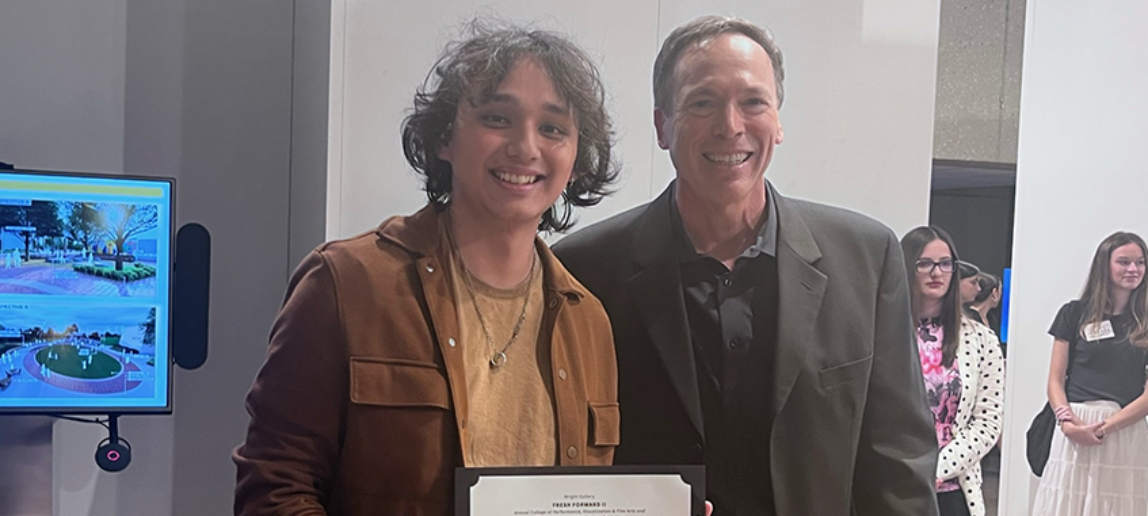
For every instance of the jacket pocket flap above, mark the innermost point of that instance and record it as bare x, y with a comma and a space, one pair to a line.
842, 373
398, 383
605, 422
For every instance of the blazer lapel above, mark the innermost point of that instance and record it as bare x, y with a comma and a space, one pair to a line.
801, 288
656, 291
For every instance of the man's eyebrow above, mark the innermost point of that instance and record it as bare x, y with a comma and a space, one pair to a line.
501, 98
557, 109
751, 90
699, 90
550, 107
757, 91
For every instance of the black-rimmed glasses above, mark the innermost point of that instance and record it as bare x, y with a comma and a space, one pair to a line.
926, 266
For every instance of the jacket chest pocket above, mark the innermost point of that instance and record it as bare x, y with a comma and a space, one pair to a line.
605, 424
400, 436
398, 383
605, 433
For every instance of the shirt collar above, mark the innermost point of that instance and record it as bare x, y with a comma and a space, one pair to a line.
765, 243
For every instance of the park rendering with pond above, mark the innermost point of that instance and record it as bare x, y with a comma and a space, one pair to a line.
77, 352
78, 248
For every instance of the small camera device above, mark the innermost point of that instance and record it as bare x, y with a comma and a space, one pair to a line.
113, 456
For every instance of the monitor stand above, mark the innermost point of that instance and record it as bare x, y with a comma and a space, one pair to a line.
26, 465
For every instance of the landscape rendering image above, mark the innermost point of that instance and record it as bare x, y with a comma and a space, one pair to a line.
65, 352
78, 248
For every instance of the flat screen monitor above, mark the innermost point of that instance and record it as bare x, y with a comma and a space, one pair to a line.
85, 293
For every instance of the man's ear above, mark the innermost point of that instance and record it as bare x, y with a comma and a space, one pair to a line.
444, 151
660, 119
780, 134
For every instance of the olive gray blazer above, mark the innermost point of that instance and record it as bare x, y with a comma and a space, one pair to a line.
851, 430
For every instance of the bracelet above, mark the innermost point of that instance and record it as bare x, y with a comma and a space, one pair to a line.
1102, 432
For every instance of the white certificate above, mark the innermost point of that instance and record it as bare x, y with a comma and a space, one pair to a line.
580, 491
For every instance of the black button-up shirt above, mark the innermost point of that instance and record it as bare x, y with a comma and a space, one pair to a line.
732, 316
719, 302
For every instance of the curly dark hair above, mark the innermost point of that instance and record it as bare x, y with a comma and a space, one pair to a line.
472, 68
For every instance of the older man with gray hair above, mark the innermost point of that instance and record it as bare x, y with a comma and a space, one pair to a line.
765, 337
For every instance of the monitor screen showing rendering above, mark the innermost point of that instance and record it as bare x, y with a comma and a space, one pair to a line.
85, 290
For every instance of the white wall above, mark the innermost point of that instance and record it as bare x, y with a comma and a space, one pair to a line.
62, 84
858, 113
230, 99
1080, 177
235, 177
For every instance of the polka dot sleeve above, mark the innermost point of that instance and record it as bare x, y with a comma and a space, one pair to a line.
977, 429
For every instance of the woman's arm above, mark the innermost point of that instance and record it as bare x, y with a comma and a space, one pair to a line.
973, 440
1132, 413
1073, 428
1056, 371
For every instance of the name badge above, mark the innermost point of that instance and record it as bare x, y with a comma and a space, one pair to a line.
1099, 331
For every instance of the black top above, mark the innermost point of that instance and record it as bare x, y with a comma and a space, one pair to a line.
733, 351
1106, 369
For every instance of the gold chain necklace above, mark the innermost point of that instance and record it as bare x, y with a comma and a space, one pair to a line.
497, 357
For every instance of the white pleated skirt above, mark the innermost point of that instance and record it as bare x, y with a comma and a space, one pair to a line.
1110, 479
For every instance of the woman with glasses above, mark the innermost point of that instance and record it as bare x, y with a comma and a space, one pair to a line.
1098, 463
962, 367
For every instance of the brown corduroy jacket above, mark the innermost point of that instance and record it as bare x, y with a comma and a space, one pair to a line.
361, 406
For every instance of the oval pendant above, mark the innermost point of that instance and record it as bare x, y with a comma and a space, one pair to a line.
498, 360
